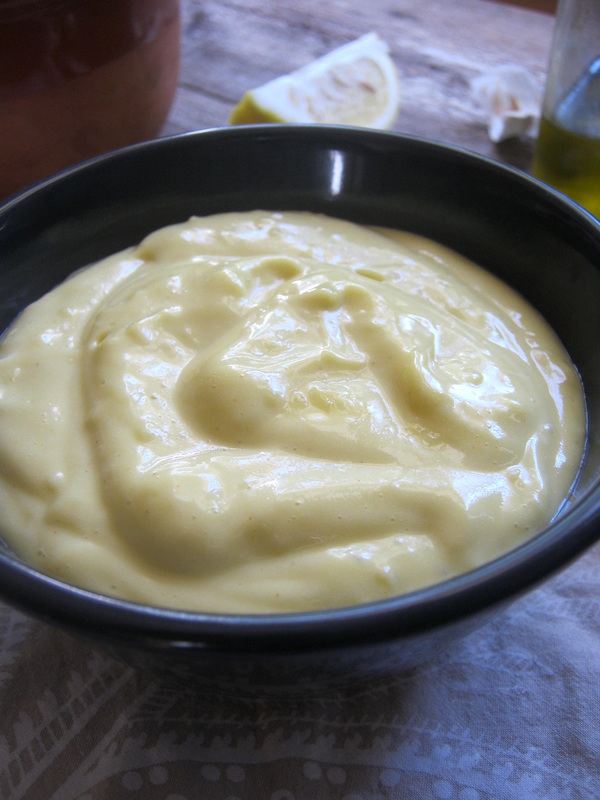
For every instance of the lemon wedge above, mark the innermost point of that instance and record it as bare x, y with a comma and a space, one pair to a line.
356, 84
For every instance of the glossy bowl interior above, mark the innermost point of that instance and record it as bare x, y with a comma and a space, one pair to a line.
535, 239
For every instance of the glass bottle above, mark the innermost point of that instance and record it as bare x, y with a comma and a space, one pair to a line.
567, 153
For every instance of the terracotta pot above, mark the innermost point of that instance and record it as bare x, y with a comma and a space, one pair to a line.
79, 78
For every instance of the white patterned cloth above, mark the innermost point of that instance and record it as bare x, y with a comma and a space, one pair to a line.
510, 713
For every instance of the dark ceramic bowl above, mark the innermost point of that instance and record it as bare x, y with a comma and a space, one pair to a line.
534, 238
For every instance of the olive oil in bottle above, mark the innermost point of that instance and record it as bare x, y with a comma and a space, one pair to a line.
567, 154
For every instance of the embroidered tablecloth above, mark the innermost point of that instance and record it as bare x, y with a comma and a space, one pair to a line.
512, 712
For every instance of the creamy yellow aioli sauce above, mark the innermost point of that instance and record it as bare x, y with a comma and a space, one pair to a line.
269, 412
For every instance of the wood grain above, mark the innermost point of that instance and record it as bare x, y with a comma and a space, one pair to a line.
439, 47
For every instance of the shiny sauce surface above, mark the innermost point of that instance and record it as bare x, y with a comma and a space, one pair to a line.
271, 412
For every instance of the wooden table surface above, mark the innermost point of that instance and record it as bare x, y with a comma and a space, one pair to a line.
439, 47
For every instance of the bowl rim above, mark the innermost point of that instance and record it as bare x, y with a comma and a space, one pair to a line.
491, 584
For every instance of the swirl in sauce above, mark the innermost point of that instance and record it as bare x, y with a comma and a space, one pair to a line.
267, 412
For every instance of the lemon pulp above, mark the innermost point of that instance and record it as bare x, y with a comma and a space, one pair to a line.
356, 84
